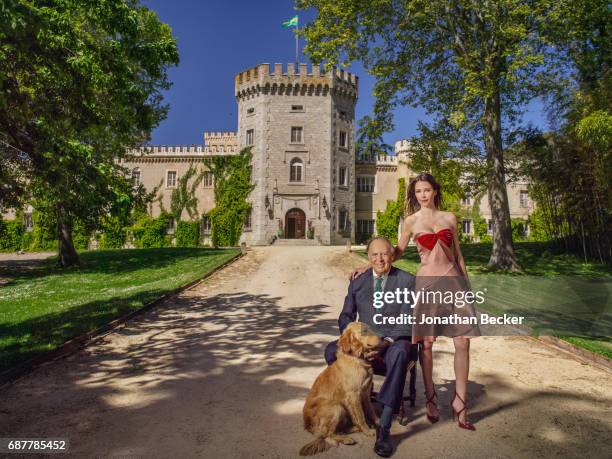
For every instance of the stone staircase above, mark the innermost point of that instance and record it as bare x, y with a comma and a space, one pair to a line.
288, 242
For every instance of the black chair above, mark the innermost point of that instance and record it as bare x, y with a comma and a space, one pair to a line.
379, 369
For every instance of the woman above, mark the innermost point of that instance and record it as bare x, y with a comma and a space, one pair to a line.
442, 269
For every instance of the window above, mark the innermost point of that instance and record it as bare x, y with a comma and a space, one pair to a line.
466, 200
297, 108
342, 176
343, 220
490, 227
28, 223
365, 184
365, 226
524, 198
206, 224
136, 176
208, 179
343, 139
250, 110
296, 134
250, 137
171, 228
247, 220
466, 226
171, 179
296, 170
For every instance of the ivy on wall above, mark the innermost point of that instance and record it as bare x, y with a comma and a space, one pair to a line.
183, 196
187, 234
232, 176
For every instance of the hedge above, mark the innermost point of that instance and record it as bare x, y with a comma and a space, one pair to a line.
187, 234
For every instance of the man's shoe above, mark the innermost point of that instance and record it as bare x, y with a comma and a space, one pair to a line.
383, 446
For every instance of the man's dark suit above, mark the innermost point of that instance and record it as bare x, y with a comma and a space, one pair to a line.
359, 302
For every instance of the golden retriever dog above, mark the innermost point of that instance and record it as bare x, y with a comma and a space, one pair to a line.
339, 400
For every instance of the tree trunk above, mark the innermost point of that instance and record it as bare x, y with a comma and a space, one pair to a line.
68, 255
502, 253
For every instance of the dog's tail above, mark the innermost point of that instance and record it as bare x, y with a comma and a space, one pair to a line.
318, 445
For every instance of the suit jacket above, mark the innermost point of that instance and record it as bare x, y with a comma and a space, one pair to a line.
359, 301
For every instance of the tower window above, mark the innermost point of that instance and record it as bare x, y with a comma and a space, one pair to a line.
343, 220
296, 170
343, 139
342, 176
250, 110
247, 220
297, 108
296, 134
250, 137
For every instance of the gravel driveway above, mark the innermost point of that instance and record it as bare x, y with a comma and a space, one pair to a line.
222, 370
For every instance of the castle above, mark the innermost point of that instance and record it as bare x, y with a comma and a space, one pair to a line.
300, 123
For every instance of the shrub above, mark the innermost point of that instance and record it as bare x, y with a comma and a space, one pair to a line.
387, 221
151, 232
187, 234
11, 232
80, 235
518, 229
113, 233
44, 234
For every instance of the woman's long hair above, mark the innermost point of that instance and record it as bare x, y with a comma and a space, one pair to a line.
412, 204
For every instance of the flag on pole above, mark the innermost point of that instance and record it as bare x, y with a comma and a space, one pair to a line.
293, 22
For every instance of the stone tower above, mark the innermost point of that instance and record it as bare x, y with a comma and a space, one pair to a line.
301, 127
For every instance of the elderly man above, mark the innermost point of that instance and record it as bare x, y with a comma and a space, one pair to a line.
397, 350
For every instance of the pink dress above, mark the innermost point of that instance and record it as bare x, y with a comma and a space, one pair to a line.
442, 309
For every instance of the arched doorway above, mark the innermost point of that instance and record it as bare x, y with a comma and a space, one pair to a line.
295, 224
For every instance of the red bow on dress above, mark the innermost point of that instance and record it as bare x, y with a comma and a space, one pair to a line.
428, 240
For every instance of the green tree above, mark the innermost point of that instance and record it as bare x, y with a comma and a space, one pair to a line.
387, 221
365, 144
469, 62
81, 82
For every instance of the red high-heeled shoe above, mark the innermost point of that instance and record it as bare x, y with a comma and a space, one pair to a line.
464, 425
432, 419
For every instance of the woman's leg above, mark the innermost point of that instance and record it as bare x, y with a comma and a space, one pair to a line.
462, 369
427, 368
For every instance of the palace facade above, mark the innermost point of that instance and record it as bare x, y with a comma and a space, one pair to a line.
300, 123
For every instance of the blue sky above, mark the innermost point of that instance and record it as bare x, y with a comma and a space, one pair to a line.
217, 39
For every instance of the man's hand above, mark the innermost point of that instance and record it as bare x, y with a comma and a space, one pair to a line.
358, 272
378, 352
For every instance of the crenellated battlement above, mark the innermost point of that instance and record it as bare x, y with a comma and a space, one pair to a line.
379, 160
402, 146
282, 78
215, 143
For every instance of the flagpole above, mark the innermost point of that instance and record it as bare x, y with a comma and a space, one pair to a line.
297, 28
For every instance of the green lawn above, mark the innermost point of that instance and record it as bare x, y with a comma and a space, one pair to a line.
46, 306
558, 294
